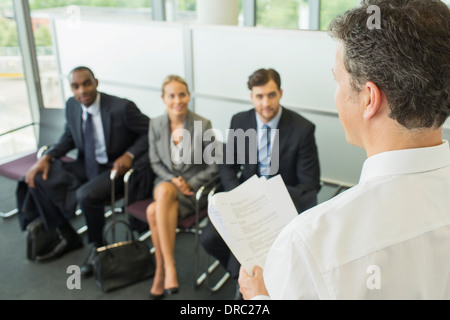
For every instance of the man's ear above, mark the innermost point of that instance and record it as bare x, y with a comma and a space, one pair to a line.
372, 100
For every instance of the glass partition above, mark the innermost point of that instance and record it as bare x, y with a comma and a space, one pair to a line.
72, 11
330, 9
16, 131
286, 14
297, 14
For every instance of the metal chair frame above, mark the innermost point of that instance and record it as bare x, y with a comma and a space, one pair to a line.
195, 229
39, 155
110, 213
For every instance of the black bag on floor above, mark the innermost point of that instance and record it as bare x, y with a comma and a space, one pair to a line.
39, 240
124, 263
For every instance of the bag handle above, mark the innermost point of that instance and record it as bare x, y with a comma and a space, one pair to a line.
111, 224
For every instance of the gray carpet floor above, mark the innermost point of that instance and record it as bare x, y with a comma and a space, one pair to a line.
21, 279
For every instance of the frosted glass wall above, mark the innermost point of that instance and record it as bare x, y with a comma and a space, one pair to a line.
132, 59
225, 57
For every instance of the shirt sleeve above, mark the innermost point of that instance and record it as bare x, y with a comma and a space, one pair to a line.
290, 268
261, 297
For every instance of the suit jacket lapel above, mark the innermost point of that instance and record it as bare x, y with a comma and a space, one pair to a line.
78, 121
164, 129
189, 127
285, 128
106, 120
252, 125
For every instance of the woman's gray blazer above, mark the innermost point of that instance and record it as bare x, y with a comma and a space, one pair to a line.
194, 169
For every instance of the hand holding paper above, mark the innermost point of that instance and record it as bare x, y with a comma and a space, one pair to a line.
250, 217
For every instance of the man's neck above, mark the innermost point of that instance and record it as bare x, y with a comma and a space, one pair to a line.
401, 139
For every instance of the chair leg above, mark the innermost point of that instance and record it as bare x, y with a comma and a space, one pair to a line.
82, 230
204, 277
9, 214
220, 283
145, 235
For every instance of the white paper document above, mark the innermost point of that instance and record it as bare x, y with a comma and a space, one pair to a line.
250, 217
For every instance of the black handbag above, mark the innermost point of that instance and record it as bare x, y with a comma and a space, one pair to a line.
124, 263
39, 240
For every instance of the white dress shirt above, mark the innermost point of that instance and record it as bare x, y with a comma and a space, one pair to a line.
386, 238
273, 124
99, 135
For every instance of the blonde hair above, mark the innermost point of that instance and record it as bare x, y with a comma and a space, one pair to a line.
176, 78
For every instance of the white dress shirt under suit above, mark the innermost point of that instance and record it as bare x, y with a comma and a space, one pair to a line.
99, 135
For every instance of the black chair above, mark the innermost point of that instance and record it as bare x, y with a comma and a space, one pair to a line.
111, 202
191, 224
134, 191
16, 169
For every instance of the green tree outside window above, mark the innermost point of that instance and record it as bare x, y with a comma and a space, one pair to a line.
330, 9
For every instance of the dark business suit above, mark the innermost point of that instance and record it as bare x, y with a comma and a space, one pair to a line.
298, 166
125, 129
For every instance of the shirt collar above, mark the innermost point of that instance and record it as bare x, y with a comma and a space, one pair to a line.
273, 124
407, 161
94, 109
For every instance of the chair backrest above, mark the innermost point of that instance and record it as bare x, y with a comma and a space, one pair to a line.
51, 125
140, 183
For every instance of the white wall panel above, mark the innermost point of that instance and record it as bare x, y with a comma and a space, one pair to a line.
446, 135
339, 161
148, 101
136, 54
447, 124
224, 58
219, 112
131, 61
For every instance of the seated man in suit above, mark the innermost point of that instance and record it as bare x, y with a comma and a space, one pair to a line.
292, 154
109, 133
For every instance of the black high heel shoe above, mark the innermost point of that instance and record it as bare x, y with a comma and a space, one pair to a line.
156, 296
172, 291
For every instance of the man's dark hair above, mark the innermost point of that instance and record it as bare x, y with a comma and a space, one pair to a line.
82, 68
408, 58
262, 77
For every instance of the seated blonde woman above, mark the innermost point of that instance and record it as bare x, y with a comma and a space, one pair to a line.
177, 177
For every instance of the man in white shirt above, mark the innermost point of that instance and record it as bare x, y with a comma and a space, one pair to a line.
389, 236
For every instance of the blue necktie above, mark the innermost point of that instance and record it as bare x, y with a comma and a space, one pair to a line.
264, 152
89, 148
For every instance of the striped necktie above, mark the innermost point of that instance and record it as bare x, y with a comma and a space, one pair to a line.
264, 152
90, 161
